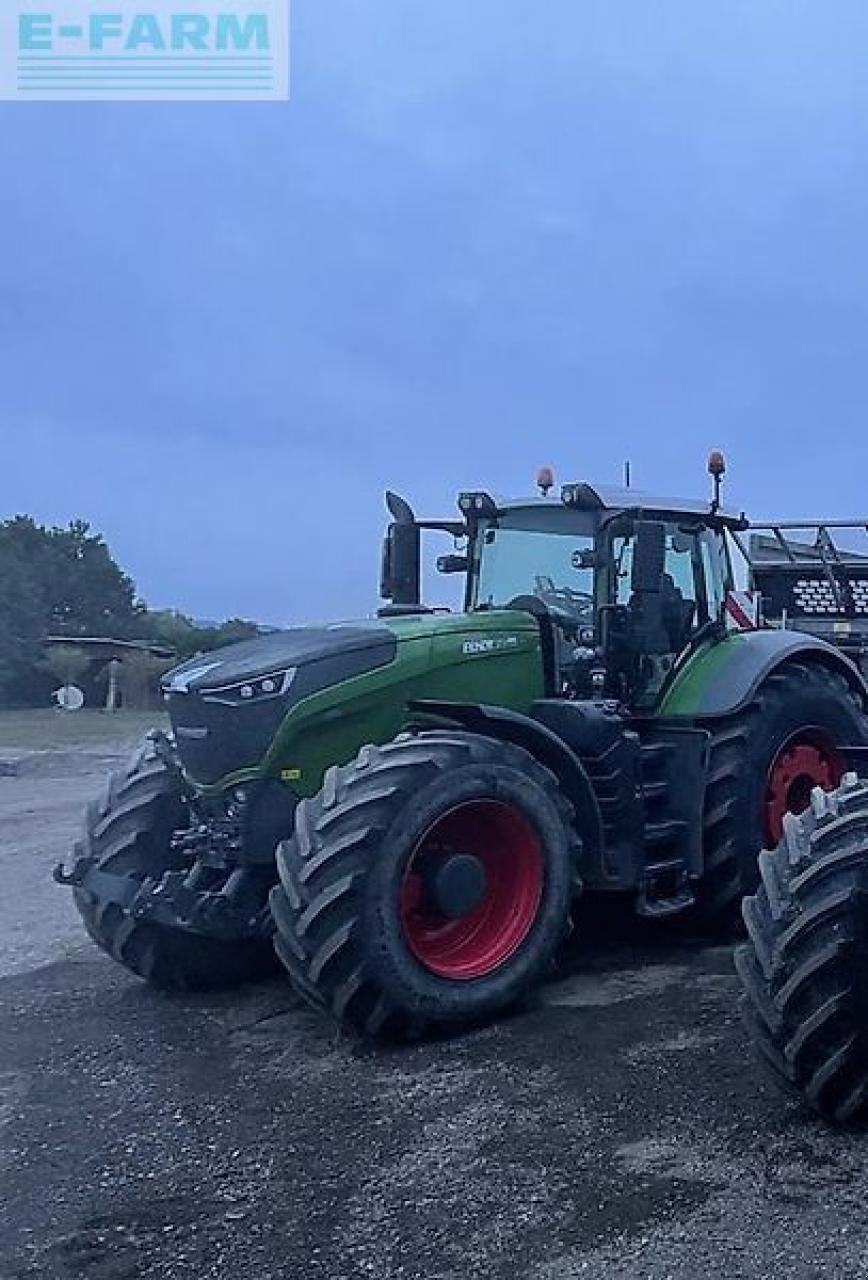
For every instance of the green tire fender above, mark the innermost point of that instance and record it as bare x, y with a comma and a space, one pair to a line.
722, 677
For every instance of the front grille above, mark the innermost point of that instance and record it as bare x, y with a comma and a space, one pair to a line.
214, 739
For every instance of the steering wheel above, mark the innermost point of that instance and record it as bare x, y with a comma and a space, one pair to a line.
576, 605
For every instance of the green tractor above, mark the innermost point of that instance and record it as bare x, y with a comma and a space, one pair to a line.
405, 809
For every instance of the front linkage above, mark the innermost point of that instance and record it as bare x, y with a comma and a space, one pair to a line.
193, 883
175, 899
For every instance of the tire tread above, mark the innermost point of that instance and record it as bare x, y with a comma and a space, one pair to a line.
802, 968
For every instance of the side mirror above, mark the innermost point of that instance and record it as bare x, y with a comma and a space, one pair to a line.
649, 557
452, 564
400, 570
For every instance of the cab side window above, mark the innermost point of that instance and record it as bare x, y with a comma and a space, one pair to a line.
622, 558
715, 568
680, 593
680, 570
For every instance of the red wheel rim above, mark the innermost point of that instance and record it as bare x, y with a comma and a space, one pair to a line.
478, 943
807, 760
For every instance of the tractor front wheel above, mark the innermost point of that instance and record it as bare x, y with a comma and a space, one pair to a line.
427, 885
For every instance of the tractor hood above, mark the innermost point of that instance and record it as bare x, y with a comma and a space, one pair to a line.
281, 651
226, 706
241, 708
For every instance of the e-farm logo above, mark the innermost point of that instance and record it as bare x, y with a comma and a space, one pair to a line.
157, 49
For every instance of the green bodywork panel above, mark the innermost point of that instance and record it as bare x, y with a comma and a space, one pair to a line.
493, 657
688, 692
724, 674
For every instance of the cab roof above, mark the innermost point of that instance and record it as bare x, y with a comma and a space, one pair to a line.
606, 497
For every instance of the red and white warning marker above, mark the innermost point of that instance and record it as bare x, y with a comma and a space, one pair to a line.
742, 610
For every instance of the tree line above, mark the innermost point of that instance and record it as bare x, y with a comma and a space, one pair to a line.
65, 582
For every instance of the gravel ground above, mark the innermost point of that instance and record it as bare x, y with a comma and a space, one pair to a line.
617, 1127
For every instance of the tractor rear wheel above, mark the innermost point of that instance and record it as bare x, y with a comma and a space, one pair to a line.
764, 763
805, 966
126, 842
427, 885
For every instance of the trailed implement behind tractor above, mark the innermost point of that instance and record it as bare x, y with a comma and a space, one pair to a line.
406, 808
813, 577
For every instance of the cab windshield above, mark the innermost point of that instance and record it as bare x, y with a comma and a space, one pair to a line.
554, 567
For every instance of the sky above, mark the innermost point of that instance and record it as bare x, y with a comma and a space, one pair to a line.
482, 235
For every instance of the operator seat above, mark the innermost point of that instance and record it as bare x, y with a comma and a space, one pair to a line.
663, 617
677, 613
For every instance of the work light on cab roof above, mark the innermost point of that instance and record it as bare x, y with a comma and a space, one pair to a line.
477, 505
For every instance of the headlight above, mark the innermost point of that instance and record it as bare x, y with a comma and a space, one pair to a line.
260, 689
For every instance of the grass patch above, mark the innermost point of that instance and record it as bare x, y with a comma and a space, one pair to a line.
52, 730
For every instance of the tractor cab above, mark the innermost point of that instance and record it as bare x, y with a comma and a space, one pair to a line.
622, 583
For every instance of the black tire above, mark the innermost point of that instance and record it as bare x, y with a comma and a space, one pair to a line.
127, 832
799, 698
804, 968
337, 908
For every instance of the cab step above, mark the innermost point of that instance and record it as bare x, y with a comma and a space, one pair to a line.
665, 890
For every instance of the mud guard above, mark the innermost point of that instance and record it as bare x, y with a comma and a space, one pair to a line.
723, 677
